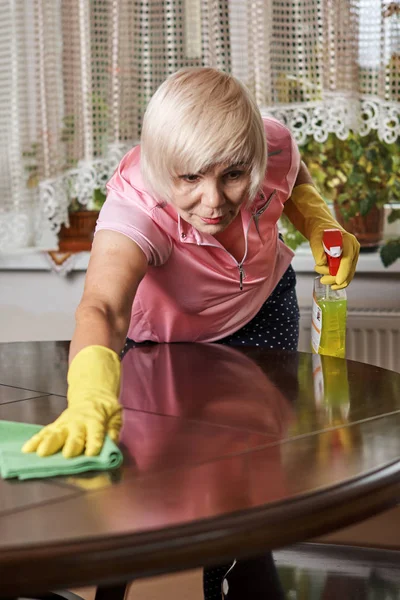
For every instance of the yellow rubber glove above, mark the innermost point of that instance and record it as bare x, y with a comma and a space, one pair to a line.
93, 408
311, 216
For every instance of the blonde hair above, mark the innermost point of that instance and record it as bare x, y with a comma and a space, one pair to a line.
200, 117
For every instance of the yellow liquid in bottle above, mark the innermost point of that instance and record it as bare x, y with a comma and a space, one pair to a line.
333, 332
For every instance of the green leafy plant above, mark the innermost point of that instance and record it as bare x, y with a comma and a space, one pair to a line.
291, 236
97, 202
357, 173
30, 165
390, 251
100, 112
30, 158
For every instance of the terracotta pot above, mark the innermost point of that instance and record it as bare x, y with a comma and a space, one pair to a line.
79, 235
368, 229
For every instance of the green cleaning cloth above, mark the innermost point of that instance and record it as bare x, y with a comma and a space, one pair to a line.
13, 463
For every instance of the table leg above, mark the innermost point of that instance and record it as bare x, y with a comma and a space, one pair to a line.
111, 592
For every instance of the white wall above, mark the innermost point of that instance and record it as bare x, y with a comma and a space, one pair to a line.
38, 304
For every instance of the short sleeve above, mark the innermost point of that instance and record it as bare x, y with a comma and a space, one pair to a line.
122, 212
294, 167
283, 157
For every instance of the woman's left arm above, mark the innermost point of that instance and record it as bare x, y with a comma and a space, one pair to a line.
303, 176
309, 213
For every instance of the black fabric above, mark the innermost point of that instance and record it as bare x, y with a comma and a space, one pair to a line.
252, 579
276, 325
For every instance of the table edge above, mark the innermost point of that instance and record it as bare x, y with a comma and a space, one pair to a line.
108, 560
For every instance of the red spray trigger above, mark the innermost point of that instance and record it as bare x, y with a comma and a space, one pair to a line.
332, 241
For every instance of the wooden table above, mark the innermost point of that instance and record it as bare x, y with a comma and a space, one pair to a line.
228, 452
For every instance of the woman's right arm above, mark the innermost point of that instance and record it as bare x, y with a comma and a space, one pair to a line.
116, 267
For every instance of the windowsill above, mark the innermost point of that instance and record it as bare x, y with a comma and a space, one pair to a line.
34, 260
368, 262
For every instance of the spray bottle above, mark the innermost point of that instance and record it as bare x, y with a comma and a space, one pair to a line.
329, 311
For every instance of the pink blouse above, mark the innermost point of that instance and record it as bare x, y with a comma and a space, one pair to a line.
194, 289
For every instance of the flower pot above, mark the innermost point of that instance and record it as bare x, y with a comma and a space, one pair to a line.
79, 235
368, 229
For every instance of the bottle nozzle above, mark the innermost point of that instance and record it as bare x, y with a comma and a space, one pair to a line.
332, 241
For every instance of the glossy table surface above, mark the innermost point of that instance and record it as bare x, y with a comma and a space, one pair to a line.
227, 452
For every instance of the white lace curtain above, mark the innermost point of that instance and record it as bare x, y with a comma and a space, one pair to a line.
76, 76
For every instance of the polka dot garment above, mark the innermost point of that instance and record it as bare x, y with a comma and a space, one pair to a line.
276, 325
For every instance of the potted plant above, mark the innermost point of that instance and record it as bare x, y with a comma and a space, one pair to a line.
82, 222
390, 251
359, 175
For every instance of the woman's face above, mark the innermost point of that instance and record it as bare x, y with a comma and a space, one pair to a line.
210, 200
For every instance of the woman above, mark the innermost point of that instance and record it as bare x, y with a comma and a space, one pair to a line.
187, 249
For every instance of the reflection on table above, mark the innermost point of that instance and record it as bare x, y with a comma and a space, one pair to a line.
228, 452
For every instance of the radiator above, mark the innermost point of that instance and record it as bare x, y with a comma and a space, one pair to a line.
373, 337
